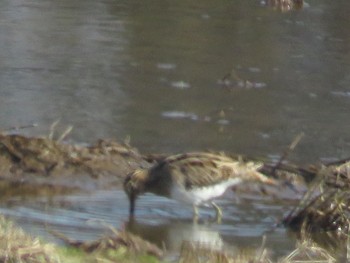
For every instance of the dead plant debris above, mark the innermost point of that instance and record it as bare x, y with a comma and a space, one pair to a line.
308, 252
17, 246
116, 240
44, 161
328, 210
194, 252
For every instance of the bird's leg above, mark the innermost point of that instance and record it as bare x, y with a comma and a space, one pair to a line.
195, 213
218, 212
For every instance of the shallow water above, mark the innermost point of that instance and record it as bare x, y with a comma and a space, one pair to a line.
155, 72
162, 221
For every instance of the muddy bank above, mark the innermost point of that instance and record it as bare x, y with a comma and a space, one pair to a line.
30, 162
42, 161
26, 163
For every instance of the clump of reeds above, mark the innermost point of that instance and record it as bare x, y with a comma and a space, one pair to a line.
308, 252
284, 5
326, 205
327, 211
16, 246
195, 252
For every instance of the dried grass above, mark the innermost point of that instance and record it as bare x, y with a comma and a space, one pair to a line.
326, 205
114, 241
194, 252
323, 215
308, 252
17, 246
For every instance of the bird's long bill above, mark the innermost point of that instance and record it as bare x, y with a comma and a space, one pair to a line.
132, 200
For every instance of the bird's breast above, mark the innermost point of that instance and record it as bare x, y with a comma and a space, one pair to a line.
197, 195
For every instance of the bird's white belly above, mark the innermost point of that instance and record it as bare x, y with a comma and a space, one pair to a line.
196, 196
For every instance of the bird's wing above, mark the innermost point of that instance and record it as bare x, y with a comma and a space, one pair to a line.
204, 169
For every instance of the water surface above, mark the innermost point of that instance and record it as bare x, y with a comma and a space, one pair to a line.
155, 71
87, 216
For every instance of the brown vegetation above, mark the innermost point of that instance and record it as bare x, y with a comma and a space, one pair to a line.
40, 161
27, 163
114, 241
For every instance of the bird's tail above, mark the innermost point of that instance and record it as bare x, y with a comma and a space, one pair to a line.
253, 171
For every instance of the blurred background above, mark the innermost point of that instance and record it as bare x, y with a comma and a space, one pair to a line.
176, 76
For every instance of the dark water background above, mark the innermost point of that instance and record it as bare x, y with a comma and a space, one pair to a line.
153, 70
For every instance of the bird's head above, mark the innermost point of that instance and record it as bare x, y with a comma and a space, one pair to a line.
134, 185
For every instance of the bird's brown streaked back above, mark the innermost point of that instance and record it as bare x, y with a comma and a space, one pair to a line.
184, 176
200, 169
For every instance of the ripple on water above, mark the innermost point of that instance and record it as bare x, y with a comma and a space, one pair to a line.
180, 115
180, 84
166, 66
341, 93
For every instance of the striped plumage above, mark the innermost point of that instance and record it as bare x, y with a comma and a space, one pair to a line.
193, 178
